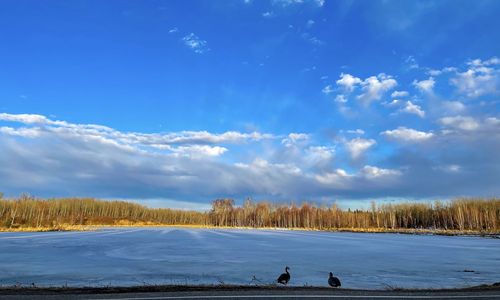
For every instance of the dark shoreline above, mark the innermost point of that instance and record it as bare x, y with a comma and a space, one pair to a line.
24, 290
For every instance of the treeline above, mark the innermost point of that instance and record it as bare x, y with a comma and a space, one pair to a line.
31, 212
462, 214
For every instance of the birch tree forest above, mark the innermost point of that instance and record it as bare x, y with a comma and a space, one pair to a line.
460, 214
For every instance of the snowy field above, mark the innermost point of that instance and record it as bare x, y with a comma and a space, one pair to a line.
137, 256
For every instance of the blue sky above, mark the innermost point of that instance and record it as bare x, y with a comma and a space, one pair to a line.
175, 103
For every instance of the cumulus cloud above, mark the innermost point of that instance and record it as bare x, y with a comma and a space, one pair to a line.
393, 103
412, 109
453, 106
25, 118
198, 150
294, 138
425, 85
403, 134
24, 132
49, 157
337, 178
399, 94
434, 72
327, 89
476, 81
340, 177
489, 62
460, 122
374, 172
319, 155
348, 82
196, 44
91, 131
374, 87
356, 147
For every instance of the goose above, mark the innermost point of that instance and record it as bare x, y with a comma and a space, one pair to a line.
285, 277
333, 281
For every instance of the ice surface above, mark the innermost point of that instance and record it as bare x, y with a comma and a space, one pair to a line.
136, 256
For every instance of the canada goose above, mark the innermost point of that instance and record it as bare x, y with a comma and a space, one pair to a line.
285, 277
333, 281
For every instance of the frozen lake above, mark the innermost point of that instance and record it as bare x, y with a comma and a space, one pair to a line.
136, 256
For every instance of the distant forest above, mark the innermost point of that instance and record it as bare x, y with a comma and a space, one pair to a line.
481, 215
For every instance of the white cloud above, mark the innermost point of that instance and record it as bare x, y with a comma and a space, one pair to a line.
309, 23
460, 122
357, 131
372, 172
449, 69
337, 178
173, 30
327, 89
319, 155
195, 43
340, 178
479, 63
197, 151
403, 134
374, 87
356, 147
24, 132
262, 166
433, 72
50, 157
294, 138
413, 109
453, 106
399, 94
425, 85
348, 82
476, 81
24, 118
131, 138
268, 14
393, 103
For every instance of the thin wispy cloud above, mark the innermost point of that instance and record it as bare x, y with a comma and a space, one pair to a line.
196, 44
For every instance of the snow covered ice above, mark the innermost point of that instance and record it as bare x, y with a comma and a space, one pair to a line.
138, 256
